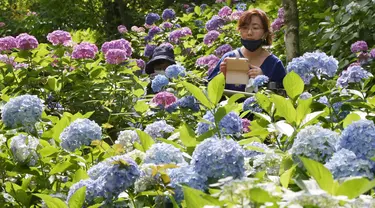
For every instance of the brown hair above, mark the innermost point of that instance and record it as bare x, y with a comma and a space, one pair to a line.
245, 19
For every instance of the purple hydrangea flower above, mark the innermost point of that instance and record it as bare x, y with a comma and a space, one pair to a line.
225, 12
223, 49
159, 82
149, 50
84, 50
190, 10
7, 59
277, 24
115, 56
359, 46
166, 44
203, 7
241, 6
122, 29
372, 53
153, 31
210, 61
118, 44
305, 96
59, 37
158, 129
215, 23
141, 64
354, 74
252, 105
175, 35
210, 37
7, 43
151, 18
168, 14
280, 13
166, 25
260, 80
236, 15
26, 42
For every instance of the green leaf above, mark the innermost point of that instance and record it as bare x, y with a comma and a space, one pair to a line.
293, 85
235, 97
286, 176
78, 198
303, 109
264, 102
197, 10
52, 83
60, 167
284, 107
198, 94
141, 106
146, 140
47, 151
311, 117
354, 187
187, 136
216, 88
350, 119
80, 174
321, 174
261, 196
196, 198
18, 193
52, 202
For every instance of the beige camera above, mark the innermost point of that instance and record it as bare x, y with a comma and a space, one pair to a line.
237, 71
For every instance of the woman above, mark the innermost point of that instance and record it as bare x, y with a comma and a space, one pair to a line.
254, 28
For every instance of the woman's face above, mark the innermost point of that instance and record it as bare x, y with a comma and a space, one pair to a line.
253, 30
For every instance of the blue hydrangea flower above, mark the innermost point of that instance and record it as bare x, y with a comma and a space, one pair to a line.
158, 129
203, 7
159, 82
188, 102
185, 176
229, 124
241, 6
168, 14
198, 23
78, 133
324, 100
313, 64
344, 163
163, 153
151, 18
260, 80
252, 105
316, 143
253, 153
24, 110
24, 149
127, 138
354, 74
218, 158
173, 71
93, 190
147, 180
359, 137
305, 96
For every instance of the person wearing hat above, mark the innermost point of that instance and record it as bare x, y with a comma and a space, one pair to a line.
162, 57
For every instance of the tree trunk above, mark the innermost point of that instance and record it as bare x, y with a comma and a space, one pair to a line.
291, 32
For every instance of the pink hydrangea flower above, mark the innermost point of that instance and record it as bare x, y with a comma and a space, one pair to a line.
118, 44
245, 125
2, 24
115, 56
84, 50
164, 99
225, 12
59, 37
372, 53
7, 43
122, 29
236, 15
25, 41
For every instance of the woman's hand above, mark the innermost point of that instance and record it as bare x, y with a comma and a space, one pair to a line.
223, 66
254, 71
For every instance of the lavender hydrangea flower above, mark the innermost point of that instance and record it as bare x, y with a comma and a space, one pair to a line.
80, 132
210, 37
159, 82
166, 44
203, 7
163, 153
151, 18
252, 105
316, 143
168, 14
313, 64
188, 102
185, 176
174, 71
118, 44
166, 25
127, 138
26, 42
354, 74
359, 46
253, 153
218, 158
93, 190
141, 64
344, 163
59, 37
260, 80
149, 50
225, 12
177, 34
24, 149
7, 43
158, 129
359, 137
215, 23
305, 96
236, 15
372, 53
84, 50
122, 29
210, 61
323, 100
229, 124
241, 6
7, 59
24, 110
153, 31
115, 56
223, 49
277, 24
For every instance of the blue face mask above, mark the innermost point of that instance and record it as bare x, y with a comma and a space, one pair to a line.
251, 45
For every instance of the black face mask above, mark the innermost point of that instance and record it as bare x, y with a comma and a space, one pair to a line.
251, 45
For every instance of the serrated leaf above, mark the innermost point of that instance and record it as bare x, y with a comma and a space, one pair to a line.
78, 198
